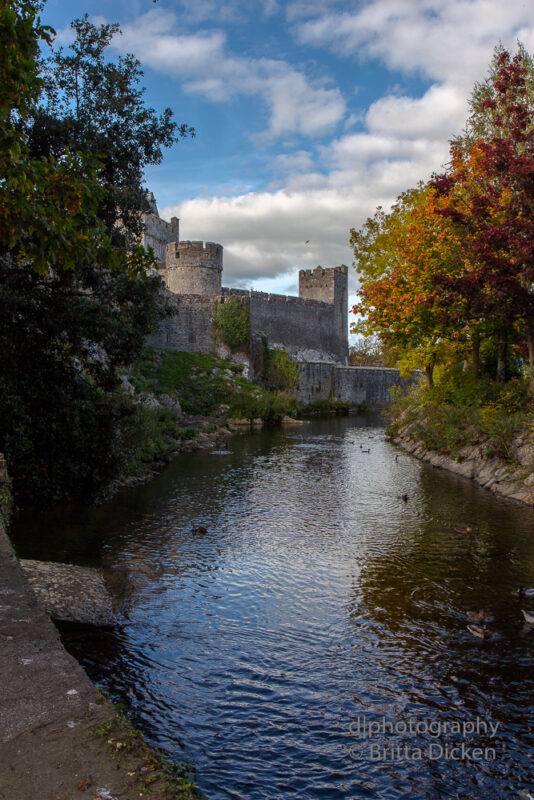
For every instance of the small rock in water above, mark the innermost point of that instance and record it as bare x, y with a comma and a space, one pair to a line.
70, 593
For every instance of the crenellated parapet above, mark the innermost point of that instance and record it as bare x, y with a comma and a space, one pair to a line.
325, 284
193, 267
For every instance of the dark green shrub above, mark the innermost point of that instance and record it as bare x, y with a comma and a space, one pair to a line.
232, 324
280, 371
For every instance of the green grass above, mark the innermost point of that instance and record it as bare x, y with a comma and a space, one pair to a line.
461, 412
204, 383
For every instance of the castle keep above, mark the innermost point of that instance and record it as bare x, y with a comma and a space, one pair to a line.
312, 328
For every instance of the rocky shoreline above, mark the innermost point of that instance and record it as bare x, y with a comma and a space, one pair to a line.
512, 478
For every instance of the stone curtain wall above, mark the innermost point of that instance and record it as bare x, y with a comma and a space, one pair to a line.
359, 385
294, 324
306, 329
190, 327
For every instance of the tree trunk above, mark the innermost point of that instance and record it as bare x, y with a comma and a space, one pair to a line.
530, 342
502, 350
475, 354
429, 374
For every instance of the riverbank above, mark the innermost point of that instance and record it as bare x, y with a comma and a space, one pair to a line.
59, 738
182, 402
482, 431
514, 481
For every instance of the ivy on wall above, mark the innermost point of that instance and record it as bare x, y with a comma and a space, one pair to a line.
280, 371
277, 370
232, 324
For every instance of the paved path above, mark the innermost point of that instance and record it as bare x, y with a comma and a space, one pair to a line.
49, 712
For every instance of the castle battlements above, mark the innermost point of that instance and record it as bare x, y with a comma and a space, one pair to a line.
319, 271
208, 253
269, 297
193, 267
313, 325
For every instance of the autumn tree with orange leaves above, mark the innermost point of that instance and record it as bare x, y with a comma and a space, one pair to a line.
397, 256
454, 259
488, 195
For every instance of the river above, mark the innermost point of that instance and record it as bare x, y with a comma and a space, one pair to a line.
313, 642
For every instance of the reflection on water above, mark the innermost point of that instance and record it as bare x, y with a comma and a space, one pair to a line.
317, 601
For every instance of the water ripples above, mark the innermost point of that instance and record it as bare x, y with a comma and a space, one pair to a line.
316, 598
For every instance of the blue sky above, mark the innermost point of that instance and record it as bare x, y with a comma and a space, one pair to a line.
308, 114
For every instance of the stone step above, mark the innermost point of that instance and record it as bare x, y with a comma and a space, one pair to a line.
70, 593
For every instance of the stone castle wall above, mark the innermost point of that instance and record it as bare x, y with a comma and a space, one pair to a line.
190, 327
159, 233
313, 326
369, 386
193, 268
305, 328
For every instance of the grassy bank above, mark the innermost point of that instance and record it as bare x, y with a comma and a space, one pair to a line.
207, 385
461, 412
184, 401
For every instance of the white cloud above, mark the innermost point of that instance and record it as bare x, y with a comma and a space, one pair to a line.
291, 163
438, 115
296, 104
444, 40
264, 233
320, 194
186, 54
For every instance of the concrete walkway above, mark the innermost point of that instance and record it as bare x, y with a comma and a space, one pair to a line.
50, 712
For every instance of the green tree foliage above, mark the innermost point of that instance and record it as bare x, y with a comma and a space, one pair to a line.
44, 203
92, 104
76, 301
280, 371
483, 122
232, 324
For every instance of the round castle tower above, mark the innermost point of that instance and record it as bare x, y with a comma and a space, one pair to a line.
193, 267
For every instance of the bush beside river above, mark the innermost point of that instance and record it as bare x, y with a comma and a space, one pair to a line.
477, 428
185, 401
